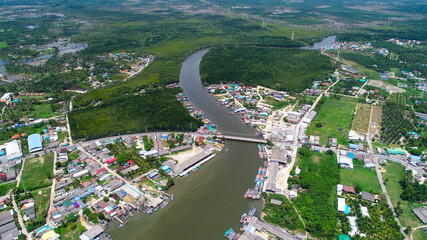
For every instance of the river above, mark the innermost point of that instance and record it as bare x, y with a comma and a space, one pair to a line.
209, 201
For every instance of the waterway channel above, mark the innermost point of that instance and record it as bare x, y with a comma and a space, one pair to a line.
209, 201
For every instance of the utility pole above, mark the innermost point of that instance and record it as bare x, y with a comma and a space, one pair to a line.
293, 31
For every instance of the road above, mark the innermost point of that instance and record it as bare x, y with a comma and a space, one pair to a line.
20, 221
52, 190
106, 167
390, 204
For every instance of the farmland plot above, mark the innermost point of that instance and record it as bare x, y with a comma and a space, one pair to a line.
361, 121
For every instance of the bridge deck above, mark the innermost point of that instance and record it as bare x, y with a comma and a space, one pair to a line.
244, 139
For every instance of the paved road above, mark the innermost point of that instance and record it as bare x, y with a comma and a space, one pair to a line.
106, 167
390, 204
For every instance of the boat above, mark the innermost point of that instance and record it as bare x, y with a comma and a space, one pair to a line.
247, 193
265, 163
228, 232
252, 211
164, 204
188, 173
237, 236
242, 219
251, 193
232, 235
172, 197
123, 224
242, 228
257, 177
196, 168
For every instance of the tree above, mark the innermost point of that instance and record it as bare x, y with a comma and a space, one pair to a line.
318, 124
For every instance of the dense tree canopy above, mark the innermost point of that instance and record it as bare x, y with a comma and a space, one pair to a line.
283, 69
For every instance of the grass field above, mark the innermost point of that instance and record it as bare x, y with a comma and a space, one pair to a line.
361, 120
3, 45
41, 199
419, 234
72, 231
42, 111
277, 104
38, 172
4, 188
342, 110
365, 177
394, 173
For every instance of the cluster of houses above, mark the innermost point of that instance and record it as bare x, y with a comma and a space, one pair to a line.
348, 45
8, 229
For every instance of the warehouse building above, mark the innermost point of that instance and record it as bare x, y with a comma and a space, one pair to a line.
13, 149
35, 143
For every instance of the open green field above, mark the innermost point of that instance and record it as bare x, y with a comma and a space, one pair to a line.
41, 199
284, 69
3, 45
366, 178
43, 110
38, 172
4, 188
419, 234
394, 173
342, 110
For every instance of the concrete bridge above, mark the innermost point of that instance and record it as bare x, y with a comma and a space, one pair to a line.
243, 139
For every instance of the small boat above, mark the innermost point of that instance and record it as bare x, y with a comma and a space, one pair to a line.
237, 236
172, 197
186, 175
251, 193
242, 219
265, 163
228, 232
123, 224
242, 228
252, 211
196, 168
164, 204
232, 235
247, 193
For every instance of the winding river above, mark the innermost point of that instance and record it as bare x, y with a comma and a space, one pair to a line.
209, 201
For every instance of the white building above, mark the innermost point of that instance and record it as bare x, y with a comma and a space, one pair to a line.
341, 205
13, 149
345, 161
6, 97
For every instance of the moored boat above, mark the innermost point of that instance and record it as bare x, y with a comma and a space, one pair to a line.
252, 211
196, 168
247, 193
228, 232
251, 193
242, 219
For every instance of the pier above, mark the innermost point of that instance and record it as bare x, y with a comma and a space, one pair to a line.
243, 139
191, 163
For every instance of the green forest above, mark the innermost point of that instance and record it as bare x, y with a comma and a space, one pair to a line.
284, 69
152, 111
